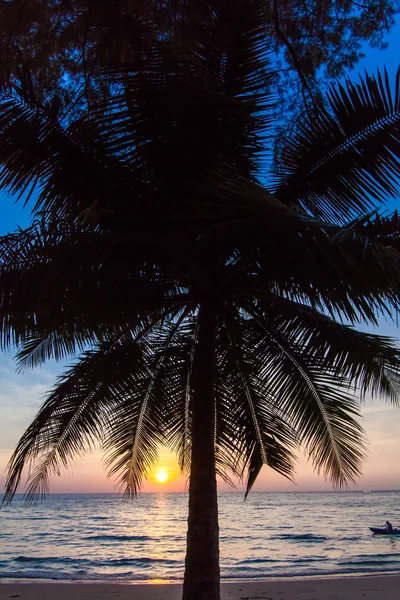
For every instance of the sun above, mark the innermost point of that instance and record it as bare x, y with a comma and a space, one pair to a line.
161, 476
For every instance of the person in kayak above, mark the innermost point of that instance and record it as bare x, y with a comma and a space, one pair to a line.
389, 527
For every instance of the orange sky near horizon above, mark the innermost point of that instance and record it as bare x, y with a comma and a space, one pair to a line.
21, 396
381, 469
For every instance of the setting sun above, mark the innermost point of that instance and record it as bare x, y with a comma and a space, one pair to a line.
161, 476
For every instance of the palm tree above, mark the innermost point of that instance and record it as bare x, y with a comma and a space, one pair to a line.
274, 364
208, 311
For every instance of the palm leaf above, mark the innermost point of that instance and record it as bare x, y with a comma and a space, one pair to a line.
176, 387
69, 168
384, 229
73, 415
365, 361
346, 163
137, 427
339, 271
261, 434
74, 271
311, 398
207, 81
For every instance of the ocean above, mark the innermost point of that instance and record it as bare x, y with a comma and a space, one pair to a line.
104, 537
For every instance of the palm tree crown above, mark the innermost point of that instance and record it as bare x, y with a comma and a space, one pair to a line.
209, 309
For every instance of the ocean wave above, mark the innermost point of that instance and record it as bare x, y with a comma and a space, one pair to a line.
301, 537
369, 558
141, 561
34, 518
258, 561
67, 560
120, 538
230, 538
372, 563
244, 573
48, 559
298, 561
83, 576
282, 571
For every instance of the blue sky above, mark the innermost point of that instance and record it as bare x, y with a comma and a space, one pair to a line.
21, 395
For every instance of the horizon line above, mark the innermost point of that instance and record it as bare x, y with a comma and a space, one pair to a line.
359, 491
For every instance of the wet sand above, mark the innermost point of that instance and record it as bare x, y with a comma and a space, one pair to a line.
376, 587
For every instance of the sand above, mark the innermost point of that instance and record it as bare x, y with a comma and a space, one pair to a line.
379, 587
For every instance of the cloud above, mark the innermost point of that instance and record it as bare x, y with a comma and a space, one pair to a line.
20, 399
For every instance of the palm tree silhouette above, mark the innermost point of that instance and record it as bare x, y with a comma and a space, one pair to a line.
208, 307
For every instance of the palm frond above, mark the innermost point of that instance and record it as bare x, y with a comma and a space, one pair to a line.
37, 349
176, 386
50, 281
230, 41
137, 427
195, 99
366, 362
73, 416
384, 229
346, 163
312, 399
340, 271
68, 168
261, 434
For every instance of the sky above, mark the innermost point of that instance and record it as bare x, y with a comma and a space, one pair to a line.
22, 394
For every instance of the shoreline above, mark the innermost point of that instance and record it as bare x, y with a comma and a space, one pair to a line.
149, 582
378, 586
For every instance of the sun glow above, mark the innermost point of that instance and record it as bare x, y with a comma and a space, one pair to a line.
161, 475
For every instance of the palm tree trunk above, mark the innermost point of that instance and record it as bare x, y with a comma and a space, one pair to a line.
202, 578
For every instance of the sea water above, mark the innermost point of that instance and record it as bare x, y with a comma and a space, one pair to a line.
103, 537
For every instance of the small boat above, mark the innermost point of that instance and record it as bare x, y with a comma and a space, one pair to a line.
383, 531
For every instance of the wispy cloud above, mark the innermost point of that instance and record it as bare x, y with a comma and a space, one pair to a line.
20, 397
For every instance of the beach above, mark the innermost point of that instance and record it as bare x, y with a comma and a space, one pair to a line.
372, 587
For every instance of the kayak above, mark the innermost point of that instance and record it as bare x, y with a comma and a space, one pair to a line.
383, 531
